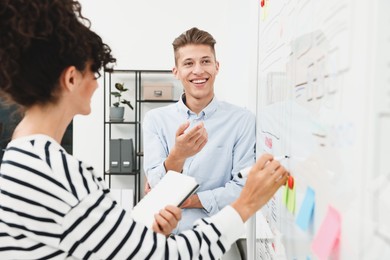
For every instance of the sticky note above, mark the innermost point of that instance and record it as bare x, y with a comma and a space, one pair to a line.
305, 215
288, 198
285, 195
328, 234
291, 199
290, 182
264, 10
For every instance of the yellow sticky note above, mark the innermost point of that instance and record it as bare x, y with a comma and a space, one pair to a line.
264, 10
285, 195
291, 199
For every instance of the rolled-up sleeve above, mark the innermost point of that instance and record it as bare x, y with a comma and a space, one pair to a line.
155, 152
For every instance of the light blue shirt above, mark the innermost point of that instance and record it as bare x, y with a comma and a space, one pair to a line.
229, 149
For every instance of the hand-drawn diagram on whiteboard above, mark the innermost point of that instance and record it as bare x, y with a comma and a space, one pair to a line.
317, 104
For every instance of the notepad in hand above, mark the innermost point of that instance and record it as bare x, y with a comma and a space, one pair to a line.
173, 189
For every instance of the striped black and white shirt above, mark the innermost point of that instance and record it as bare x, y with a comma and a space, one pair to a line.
53, 206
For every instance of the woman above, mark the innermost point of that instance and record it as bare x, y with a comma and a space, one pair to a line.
53, 205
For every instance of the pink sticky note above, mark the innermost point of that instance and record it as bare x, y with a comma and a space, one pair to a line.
328, 234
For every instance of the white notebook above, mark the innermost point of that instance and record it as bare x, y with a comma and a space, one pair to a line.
173, 189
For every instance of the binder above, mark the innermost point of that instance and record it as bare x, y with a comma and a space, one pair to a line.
115, 157
127, 155
121, 156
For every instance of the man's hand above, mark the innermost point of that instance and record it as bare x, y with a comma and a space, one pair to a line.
192, 202
191, 142
166, 220
147, 187
186, 145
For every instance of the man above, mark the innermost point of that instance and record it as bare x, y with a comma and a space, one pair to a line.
199, 135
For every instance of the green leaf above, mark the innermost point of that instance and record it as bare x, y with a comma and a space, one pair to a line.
119, 86
127, 103
116, 94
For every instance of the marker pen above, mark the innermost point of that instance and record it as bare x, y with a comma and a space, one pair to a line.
244, 172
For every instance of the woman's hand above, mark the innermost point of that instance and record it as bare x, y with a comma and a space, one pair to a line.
264, 179
166, 220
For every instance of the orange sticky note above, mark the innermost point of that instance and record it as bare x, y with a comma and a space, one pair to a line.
328, 235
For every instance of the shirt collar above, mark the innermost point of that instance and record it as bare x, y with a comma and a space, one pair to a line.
206, 112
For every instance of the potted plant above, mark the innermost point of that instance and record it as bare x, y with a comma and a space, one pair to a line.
117, 112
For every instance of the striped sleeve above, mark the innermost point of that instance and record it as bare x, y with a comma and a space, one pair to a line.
54, 207
209, 239
107, 232
33, 204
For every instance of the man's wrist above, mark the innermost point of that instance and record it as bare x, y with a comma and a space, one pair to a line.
196, 202
193, 202
173, 162
176, 157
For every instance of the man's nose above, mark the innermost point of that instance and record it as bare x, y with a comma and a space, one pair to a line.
198, 69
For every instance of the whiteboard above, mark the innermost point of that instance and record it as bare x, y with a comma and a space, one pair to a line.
324, 100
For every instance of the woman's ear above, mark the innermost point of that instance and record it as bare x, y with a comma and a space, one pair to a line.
68, 78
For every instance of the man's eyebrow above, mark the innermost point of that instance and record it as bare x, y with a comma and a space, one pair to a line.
186, 60
191, 59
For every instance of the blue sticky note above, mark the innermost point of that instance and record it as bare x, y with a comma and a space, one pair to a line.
305, 214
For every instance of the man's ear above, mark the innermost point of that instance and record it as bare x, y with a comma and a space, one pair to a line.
68, 79
217, 66
174, 71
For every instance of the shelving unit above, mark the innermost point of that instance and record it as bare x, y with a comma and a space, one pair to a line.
132, 125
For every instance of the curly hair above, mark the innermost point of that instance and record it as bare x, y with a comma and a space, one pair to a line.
193, 36
38, 40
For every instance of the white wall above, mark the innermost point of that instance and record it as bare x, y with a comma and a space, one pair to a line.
140, 34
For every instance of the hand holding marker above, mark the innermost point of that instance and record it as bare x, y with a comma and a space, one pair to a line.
244, 172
